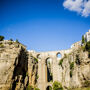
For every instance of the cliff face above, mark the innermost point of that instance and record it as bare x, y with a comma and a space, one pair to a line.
13, 65
75, 69
19, 68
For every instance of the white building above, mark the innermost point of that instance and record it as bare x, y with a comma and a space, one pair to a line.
79, 43
87, 36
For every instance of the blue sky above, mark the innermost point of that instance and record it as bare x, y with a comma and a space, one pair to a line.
42, 25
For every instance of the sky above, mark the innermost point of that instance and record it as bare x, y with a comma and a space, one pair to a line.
44, 25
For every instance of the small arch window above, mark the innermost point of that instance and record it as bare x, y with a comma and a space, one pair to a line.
58, 55
39, 56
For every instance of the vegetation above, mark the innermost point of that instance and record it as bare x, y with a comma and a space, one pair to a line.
17, 41
83, 39
77, 59
11, 39
57, 86
87, 48
49, 88
26, 73
1, 45
36, 89
61, 61
83, 48
37, 76
84, 88
1, 38
72, 66
36, 60
29, 87
10, 42
87, 83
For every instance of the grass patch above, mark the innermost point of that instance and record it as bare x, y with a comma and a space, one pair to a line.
1, 45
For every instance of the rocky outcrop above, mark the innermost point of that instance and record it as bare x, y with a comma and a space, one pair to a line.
75, 69
32, 70
20, 69
13, 65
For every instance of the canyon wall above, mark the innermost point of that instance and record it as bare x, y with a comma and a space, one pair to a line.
26, 70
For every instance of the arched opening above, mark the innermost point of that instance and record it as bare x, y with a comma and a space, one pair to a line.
49, 71
49, 88
58, 55
39, 56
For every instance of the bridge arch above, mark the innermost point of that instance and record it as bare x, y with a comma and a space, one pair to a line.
58, 55
48, 60
48, 63
39, 56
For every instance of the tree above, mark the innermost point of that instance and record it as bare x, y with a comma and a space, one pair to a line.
87, 47
83, 39
1, 38
57, 86
17, 41
11, 39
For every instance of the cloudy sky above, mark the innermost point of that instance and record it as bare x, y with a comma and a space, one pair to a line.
80, 6
44, 25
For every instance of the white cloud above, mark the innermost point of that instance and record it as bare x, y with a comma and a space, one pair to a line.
79, 6
86, 10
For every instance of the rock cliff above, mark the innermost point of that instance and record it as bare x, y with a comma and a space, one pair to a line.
75, 69
19, 68
14, 67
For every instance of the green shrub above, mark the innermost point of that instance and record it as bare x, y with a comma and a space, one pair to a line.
60, 62
83, 48
72, 66
26, 73
57, 86
36, 60
37, 76
1, 38
87, 83
77, 61
11, 39
83, 39
17, 41
49, 88
36, 89
10, 42
87, 47
29, 87
1, 45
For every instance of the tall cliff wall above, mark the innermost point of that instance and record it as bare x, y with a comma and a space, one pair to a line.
20, 69
74, 69
15, 70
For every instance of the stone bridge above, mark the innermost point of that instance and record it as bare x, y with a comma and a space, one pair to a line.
44, 70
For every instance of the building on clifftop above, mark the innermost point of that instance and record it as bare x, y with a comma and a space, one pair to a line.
87, 36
